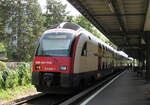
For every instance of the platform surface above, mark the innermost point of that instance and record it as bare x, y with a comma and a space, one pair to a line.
125, 90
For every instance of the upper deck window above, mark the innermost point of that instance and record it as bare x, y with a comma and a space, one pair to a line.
71, 26
84, 50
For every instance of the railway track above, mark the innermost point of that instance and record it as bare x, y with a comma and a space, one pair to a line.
53, 99
47, 99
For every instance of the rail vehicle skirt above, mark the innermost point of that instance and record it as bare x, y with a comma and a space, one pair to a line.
51, 79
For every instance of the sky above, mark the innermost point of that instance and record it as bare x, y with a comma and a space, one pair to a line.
72, 11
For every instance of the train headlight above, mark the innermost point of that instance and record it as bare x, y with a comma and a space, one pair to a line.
64, 68
38, 67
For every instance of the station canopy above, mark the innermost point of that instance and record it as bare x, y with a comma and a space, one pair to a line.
123, 22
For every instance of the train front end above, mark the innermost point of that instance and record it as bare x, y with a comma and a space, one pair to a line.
52, 63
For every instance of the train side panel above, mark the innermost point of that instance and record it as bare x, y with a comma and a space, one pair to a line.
86, 61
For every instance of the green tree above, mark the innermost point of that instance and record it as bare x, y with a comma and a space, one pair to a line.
5, 9
2, 48
70, 19
83, 22
26, 23
24, 20
34, 28
55, 13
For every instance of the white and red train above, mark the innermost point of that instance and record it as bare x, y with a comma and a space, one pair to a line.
68, 57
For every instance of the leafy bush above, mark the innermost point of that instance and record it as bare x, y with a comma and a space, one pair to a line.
24, 71
2, 48
1, 80
12, 78
2, 66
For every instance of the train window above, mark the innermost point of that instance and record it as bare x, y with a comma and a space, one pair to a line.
71, 51
103, 65
89, 37
100, 50
55, 44
105, 49
84, 50
106, 66
71, 26
100, 46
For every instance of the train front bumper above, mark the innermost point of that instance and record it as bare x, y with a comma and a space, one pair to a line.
51, 80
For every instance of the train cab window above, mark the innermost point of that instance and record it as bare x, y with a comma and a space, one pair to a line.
84, 50
56, 44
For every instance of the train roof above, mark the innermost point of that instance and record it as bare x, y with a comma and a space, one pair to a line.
66, 25
78, 29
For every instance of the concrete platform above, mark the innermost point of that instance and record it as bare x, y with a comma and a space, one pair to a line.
125, 90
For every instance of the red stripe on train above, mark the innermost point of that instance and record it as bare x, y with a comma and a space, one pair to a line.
74, 53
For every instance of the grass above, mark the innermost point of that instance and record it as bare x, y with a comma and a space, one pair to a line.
9, 94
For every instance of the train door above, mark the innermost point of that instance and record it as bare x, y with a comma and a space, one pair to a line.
83, 58
100, 52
